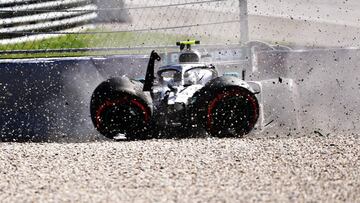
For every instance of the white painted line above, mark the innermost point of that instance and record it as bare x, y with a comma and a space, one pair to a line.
50, 24
46, 16
45, 5
3, 2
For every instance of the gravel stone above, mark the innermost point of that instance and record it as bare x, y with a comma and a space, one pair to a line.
304, 169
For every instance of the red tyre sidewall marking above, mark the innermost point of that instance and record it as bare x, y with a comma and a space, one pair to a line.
143, 108
110, 103
219, 97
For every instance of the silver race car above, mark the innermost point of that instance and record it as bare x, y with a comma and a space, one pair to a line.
190, 95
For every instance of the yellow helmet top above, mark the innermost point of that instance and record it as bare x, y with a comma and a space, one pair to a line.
187, 43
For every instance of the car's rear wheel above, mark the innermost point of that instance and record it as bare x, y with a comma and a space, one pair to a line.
119, 114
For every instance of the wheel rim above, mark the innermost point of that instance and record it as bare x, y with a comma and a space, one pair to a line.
122, 116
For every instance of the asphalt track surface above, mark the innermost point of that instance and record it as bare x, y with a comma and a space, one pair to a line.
305, 169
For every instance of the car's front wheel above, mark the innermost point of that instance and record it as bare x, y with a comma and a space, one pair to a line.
231, 112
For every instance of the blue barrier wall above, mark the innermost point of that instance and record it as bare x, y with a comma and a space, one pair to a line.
49, 98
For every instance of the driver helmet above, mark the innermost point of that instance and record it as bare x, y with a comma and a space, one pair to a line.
190, 78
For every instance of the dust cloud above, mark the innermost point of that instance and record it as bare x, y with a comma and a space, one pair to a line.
328, 87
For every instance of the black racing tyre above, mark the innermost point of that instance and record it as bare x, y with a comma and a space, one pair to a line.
115, 111
232, 111
226, 106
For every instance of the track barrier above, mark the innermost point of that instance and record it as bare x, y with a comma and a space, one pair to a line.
47, 98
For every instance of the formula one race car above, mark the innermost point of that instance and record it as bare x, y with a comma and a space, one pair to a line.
186, 95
